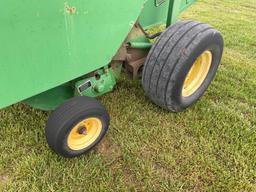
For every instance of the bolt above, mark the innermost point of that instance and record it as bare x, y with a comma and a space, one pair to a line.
82, 130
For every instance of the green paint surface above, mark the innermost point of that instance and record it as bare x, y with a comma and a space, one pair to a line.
45, 44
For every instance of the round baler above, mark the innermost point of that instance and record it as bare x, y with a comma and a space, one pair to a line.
60, 55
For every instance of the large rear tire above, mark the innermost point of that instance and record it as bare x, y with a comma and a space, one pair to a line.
181, 64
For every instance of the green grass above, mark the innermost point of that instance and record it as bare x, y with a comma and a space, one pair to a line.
210, 147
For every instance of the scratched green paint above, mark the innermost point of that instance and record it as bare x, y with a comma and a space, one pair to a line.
46, 43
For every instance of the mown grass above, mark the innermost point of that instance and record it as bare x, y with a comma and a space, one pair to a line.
210, 147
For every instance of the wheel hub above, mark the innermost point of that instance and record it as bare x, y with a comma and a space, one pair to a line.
84, 134
82, 130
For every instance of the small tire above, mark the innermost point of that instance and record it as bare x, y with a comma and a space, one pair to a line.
77, 126
171, 60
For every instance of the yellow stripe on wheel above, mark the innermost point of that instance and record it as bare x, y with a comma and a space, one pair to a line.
197, 74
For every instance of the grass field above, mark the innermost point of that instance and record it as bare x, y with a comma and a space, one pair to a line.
210, 147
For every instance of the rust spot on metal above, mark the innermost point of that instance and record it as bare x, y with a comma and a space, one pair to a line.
134, 62
133, 59
69, 9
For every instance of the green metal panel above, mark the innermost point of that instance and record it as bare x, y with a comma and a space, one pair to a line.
52, 98
46, 43
155, 11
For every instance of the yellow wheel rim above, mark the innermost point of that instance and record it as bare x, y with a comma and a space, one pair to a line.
197, 74
84, 133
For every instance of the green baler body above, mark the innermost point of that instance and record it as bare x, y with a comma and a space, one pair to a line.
46, 43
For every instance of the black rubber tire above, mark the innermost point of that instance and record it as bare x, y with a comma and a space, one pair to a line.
172, 57
65, 117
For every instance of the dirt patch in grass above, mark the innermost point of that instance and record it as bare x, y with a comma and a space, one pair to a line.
113, 153
130, 180
4, 179
164, 171
146, 153
108, 149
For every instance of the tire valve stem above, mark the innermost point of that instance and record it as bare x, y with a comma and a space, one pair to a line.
82, 130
